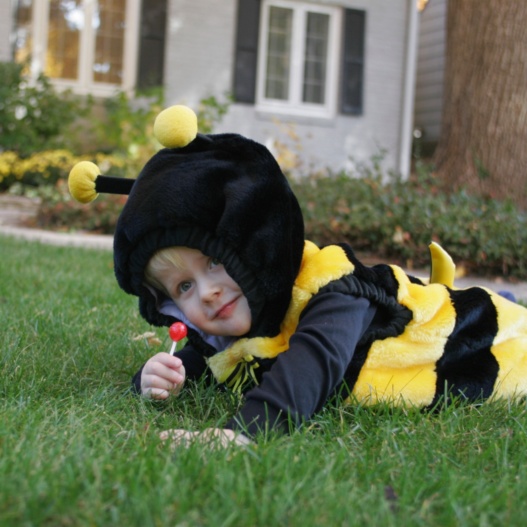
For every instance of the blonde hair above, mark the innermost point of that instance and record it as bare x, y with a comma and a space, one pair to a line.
160, 261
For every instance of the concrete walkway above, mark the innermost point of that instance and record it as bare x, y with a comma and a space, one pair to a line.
94, 241
88, 241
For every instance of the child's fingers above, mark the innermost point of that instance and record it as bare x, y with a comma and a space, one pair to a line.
156, 393
178, 437
212, 437
161, 370
168, 360
155, 387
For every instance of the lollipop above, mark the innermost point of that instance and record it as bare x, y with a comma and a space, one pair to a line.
177, 331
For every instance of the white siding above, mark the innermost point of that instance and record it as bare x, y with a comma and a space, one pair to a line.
6, 16
199, 50
430, 70
199, 62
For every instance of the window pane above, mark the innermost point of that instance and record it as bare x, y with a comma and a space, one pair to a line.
278, 53
23, 30
108, 24
66, 21
315, 59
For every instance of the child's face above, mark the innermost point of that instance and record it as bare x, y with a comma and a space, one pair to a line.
207, 295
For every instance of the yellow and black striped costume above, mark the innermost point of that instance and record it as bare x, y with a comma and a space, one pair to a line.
435, 339
226, 196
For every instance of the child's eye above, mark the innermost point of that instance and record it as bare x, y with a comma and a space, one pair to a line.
214, 262
183, 287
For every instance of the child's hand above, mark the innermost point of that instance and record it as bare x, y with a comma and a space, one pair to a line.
162, 376
212, 437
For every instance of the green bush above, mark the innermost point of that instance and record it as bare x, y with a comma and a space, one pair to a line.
126, 125
21, 175
124, 134
397, 221
60, 212
33, 116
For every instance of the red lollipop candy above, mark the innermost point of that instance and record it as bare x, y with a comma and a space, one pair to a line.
177, 331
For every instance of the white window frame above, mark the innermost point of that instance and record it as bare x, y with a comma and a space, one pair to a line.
294, 105
85, 84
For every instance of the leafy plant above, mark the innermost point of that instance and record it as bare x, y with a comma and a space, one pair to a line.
125, 126
375, 212
32, 115
397, 220
210, 112
58, 209
21, 175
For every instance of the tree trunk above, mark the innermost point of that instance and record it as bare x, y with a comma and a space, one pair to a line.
483, 143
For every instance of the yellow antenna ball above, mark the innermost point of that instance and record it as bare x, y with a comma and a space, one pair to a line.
176, 127
81, 181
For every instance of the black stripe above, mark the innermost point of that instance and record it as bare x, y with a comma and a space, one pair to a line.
467, 367
379, 285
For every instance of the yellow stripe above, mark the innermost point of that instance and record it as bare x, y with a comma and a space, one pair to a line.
402, 368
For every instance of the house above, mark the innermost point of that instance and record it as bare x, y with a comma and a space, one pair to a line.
332, 78
428, 107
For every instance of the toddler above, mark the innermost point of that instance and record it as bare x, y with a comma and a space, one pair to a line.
212, 236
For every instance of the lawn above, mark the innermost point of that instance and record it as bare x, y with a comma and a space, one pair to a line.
77, 449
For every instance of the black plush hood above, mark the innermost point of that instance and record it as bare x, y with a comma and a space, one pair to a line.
226, 196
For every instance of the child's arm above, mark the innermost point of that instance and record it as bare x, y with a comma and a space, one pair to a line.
303, 378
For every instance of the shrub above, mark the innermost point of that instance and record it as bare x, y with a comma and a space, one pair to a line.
48, 167
59, 211
397, 221
126, 129
394, 221
126, 125
32, 115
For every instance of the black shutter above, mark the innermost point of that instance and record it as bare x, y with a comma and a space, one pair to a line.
353, 62
248, 25
152, 44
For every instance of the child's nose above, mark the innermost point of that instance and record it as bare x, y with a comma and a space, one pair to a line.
209, 291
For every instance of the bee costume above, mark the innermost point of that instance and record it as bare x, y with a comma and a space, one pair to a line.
323, 324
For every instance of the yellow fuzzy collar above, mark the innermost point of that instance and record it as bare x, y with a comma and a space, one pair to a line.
319, 267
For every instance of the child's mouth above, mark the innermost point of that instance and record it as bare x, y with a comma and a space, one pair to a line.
226, 310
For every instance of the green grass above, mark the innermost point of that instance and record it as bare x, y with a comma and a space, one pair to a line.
77, 449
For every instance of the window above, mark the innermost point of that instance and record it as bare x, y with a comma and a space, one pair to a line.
87, 45
299, 58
